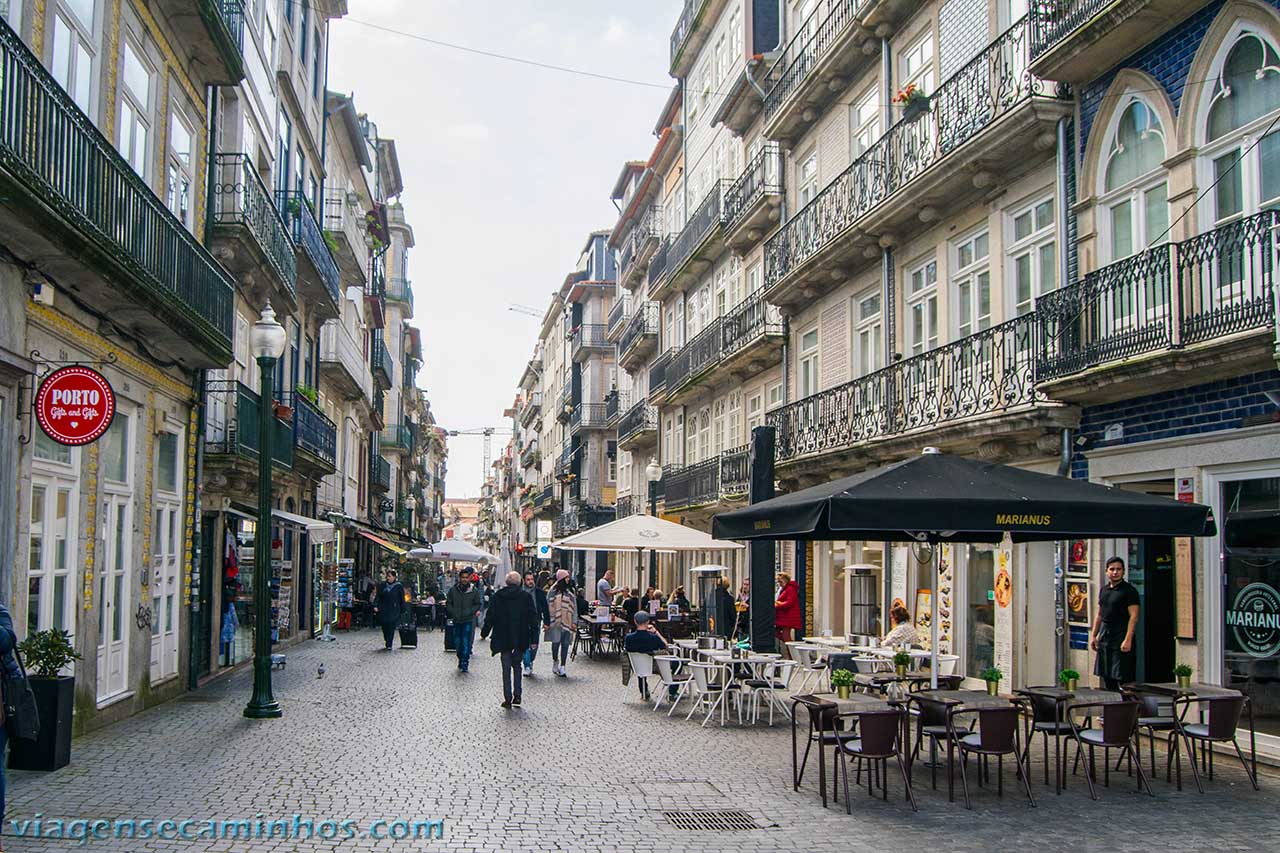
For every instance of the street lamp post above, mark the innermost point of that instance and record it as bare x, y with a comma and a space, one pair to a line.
266, 341
653, 472
410, 504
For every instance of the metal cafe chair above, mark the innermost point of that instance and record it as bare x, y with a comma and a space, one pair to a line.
1156, 714
997, 735
769, 680
1048, 721
666, 665
878, 740
710, 684
1119, 730
825, 729
1223, 722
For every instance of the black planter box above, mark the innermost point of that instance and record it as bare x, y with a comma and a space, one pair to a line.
55, 698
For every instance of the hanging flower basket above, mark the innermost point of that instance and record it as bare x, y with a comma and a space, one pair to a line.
914, 101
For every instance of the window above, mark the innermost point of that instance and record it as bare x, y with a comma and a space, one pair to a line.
315, 67
916, 65
864, 120
51, 451
1246, 96
180, 175
774, 397
733, 428
808, 378
50, 555
115, 450
922, 307
718, 445
704, 433
284, 144
971, 284
755, 412
755, 278
73, 48
611, 457
168, 462
868, 334
302, 30
808, 178
1135, 199
135, 109
1032, 262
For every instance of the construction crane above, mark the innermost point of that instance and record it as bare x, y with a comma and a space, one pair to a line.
527, 310
487, 432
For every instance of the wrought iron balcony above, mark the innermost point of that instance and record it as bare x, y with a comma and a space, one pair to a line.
375, 291
320, 272
590, 339
581, 517
1199, 298
753, 202
342, 362
753, 331
618, 315
641, 243
213, 39
693, 485
73, 201
735, 472
659, 265
380, 362
346, 222
638, 426
565, 461
532, 408
628, 505
397, 438
1073, 40
530, 457
315, 438
400, 289
589, 416
564, 403
698, 241
615, 403
245, 214
231, 426
379, 470
692, 361
991, 372
546, 496
973, 101
658, 377
640, 338
692, 32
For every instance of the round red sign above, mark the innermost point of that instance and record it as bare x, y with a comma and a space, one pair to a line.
75, 405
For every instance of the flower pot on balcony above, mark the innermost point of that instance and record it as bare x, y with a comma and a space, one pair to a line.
915, 108
283, 412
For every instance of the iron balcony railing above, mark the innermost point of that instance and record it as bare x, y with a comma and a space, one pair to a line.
688, 17
546, 496
400, 289
660, 263
532, 408
1210, 286
618, 314
989, 87
564, 461
380, 360
231, 424
658, 373
628, 505
231, 15
53, 151
639, 418
648, 226
301, 221
625, 257
313, 432
376, 286
397, 437
593, 335
985, 373
379, 469
590, 416
705, 219
346, 220
339, 346
530, 457
564, 403
811, 42
241, 199
1054, 20
752, 319
694, 358
693, 485
762, 177
615, 403
643, 322
735, 472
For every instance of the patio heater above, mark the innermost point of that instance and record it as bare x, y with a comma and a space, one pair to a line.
653, 473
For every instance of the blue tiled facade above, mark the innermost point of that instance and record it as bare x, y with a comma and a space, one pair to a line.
1214, 407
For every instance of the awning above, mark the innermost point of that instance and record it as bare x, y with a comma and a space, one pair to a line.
378, 540
317, 531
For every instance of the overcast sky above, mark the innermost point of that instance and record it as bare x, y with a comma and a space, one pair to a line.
506, 169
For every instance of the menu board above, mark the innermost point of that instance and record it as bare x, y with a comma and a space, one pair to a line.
1184, 589
1003, 594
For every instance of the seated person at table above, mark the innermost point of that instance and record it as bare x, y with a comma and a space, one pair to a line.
630, 604
903, 632
678, 597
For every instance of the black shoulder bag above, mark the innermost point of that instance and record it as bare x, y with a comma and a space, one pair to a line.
21, 718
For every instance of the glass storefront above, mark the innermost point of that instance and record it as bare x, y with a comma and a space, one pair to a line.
980, 624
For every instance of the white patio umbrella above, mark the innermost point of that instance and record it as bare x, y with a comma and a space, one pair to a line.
454, 551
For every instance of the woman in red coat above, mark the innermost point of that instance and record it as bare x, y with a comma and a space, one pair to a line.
786, 616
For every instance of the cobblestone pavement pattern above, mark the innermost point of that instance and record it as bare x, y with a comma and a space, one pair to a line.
582, 767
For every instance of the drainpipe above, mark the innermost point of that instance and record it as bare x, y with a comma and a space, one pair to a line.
324, 130
1064, 461
210, 166
197, 536
886, 78
1064, 203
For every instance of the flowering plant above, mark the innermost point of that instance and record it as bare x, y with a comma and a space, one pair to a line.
910, 95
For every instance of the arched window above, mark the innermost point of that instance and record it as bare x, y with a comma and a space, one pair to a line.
1135, 196
1247, 87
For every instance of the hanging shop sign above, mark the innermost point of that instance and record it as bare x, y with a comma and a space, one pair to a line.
75, 405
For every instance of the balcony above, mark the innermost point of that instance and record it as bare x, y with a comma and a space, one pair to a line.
692, 32
589, 416
318, 276
751, 337
248, 231
375, 292
70, 200
565, 461
530, 457
627, 505
638, 427
692, 485
380, 363
342, 362
582, 517
615, 403
532, 409
379, 471
640, 338
231, 431
823, 57
983, 127
1178, 313
400, 289
564, 404
639, 249
1076, 40
397, 439
618, 315
590, 339
658, 377
212, 35
753, 203
694, 249
691, 363
546, 497
315, 439
976, 395
346, 224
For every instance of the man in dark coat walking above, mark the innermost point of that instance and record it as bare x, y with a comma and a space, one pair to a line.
512, 618
389, 605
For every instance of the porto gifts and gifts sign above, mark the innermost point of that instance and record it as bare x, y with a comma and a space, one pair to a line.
75, 405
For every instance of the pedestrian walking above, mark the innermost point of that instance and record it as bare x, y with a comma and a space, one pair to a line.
786, 615
511, 618
1114, 624
562, 607
462, 607
389, 606
539, 595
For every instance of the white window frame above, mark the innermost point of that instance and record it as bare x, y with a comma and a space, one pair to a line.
1032, 246
143, 114
165, 586
864, 121
975, 276
733, 420
807, 376
916, 64
85, 38
773, 397
806, 178
868, 327
925, 301
55, 476
755, 411
177, 171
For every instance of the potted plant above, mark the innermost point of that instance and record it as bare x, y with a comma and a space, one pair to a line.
1182, 673
901, 660
915, 102
283, 412
1069, 679
311, 395
46, 654
842, 681
992, 676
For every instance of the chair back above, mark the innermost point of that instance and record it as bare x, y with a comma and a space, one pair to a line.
1154, 705
842, 660
997, 728
702, 676
932, 713
1224, 716
1120, 722
866, 664
666, 667
879, 731
1044, 709
641, 664
822, 714
779, 672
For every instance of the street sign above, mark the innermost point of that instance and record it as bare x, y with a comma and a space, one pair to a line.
544, 531
544, 550
75, 405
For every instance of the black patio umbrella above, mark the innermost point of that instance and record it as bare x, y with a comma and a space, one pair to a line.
938, 497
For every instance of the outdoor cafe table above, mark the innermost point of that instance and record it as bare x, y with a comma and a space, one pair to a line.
1197, 691
752, 663
1062, 701
881, 680
596, 627
851, 706
959, 701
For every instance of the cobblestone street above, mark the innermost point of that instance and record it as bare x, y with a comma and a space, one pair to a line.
584, 766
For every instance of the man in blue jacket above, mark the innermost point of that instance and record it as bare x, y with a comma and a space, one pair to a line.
544, 615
